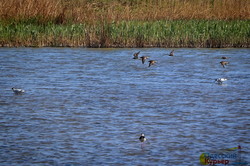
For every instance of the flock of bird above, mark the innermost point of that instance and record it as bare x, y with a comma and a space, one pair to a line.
144, 58
152, 62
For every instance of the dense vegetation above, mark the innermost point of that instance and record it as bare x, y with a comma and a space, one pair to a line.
125, 23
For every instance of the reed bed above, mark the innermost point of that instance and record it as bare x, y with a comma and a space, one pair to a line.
125, 23
177, 33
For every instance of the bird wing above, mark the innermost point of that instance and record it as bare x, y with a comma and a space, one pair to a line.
143, 60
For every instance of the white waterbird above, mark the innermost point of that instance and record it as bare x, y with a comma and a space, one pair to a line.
18, 91
220, 80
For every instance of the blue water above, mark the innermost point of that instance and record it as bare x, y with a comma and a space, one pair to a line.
89, 106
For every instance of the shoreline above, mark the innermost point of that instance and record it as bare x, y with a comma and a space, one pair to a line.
67, 46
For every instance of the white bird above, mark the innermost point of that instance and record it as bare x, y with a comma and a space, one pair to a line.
17, 91
142, 138
220, 80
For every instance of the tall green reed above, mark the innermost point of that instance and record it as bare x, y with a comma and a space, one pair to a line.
178, 33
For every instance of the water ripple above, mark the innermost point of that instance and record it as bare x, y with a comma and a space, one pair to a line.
89, 106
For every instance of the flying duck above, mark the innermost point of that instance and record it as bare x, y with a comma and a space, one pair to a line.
171, 53
151, 62
223, 63
136, 55
143, 59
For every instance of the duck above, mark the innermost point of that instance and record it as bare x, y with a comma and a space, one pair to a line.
151, 62
136, 55
223, 63
171, 53
143, 59
142, 138
18, 91
220, 80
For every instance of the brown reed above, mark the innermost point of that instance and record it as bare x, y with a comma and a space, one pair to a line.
86, 11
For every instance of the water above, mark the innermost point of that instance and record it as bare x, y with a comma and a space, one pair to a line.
89, 106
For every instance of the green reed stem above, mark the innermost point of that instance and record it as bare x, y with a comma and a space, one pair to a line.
177, 33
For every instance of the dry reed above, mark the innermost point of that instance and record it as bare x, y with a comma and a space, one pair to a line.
86, 11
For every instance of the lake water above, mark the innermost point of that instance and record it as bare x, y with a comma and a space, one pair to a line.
89, 106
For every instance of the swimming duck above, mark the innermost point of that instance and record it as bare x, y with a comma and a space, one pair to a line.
142, 138
220, 80
17, 91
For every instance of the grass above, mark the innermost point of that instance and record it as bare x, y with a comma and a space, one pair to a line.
175, 33
125, 23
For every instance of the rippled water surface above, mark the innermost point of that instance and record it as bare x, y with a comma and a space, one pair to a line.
89, 106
